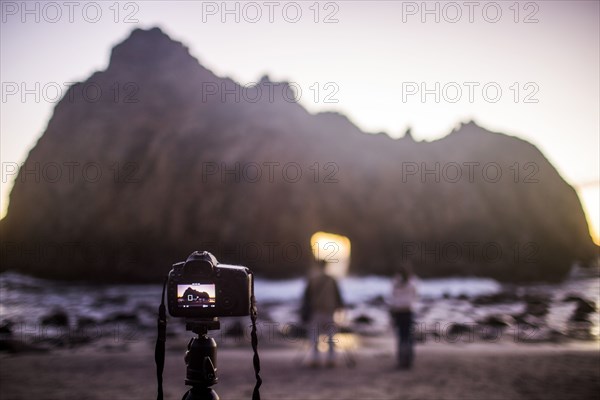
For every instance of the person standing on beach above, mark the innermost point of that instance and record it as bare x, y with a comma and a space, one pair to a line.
321, 299
404, 294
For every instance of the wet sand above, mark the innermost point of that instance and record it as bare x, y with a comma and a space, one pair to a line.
441, 371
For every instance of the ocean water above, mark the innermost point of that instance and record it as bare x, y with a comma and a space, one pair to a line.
26, 301
361, 289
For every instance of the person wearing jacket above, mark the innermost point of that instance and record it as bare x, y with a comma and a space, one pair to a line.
321, 299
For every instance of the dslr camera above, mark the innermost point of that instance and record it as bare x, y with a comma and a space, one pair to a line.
200, 287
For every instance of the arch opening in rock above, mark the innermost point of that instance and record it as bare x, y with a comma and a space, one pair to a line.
334, 249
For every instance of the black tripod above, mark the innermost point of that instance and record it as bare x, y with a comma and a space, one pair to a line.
201, 360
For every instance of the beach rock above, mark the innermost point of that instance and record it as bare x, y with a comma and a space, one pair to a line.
7, 344
6, 327
150, 309
85, 322
533, 297
580, 317
582, 309
543, 335
573, 297
377, 301
538, 310
125, 317
498, 321
16, 346
457, 329
489, 333
528, 320
57, 318
580, 323
586, 306
252, 180
496, 298
537, 304
580, 330
346, 329
81, 339
6, 336
115, 300
363, 319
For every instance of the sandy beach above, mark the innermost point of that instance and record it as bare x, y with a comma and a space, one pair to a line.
442, 371
98, 343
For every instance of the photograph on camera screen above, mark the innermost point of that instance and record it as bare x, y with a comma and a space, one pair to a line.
196, 295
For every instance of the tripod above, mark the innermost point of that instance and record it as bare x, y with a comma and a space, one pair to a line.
201, 360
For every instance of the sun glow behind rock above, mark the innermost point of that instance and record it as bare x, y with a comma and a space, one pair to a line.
589, 194
334, 249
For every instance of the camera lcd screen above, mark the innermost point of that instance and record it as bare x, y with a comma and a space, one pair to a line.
196, 295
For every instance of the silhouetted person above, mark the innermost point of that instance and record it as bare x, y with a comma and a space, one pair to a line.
404, 294
321, 299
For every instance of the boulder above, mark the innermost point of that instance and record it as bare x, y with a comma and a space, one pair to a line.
58, 317
498, 320
586, 306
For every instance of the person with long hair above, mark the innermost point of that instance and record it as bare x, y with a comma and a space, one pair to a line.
403, 297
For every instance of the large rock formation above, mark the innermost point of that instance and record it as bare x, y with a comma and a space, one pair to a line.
156, 157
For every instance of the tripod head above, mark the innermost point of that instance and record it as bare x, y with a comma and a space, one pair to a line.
201, 326
201, 360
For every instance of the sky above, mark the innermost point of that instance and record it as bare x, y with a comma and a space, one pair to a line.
528, 69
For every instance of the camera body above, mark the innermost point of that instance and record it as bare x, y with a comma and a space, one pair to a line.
200, 287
